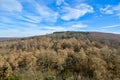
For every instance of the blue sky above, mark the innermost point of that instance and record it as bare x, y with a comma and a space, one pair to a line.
22, 18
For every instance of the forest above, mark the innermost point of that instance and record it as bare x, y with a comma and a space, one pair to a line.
65, 55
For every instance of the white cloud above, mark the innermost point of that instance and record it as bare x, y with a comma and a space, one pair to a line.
32, 18
111, 26
10, 5
13, 18
78, 11
109, 9
46, 13
59, 2
54, 28
78, 25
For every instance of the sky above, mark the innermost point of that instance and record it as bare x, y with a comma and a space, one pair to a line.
23, 18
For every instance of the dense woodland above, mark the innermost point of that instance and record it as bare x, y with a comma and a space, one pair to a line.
61, 56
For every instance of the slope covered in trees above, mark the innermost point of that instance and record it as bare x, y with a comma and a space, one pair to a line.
61, 56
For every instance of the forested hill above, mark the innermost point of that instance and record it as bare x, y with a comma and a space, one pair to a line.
95, 35
110, 39
65, 55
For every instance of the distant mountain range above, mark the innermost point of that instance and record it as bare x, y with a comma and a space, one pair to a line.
7, 38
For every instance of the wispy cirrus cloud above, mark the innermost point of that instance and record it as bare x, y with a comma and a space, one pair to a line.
45, 13
59, 2
10, 5
14, 18
54, 28
79, 25
111, 9
12, 11
71, 13
31, 18
112, 26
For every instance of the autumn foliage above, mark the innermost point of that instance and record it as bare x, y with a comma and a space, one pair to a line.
61, 56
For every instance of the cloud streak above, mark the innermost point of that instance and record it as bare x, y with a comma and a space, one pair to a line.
46, 13
79, 25
111, 26
11, 5
59, 2
78, 11
110, 9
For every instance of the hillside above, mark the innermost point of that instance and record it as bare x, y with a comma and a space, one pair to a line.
66, 55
